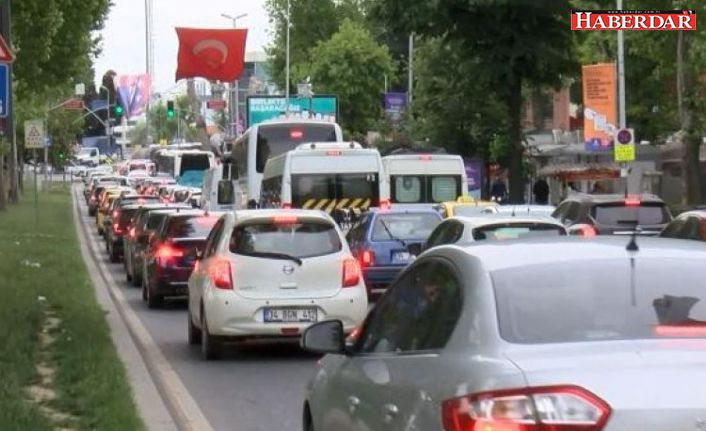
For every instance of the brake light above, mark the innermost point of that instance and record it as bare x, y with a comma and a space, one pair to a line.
556, 408
166, 254
632, 201
679, 331
285, 219
116, 229
351, 272
287, 206
296, 134
131, 233
588, 231
334, 153
220, 274
425, 157
367, 258
116, 214
385, 204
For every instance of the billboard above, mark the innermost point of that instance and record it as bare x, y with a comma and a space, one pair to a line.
263, 108
134, 93
474, 177
599, 107
394, 105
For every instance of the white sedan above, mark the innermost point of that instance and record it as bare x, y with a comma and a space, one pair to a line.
271, 274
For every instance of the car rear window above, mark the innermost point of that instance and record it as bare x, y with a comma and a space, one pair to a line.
503, 231
601, 299
126, 215
190, 226
620, 214
155, 219
301, 239
391, 227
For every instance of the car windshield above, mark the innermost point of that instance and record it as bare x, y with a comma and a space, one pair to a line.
503, 231
601, 300
301, 239
190, 226
412, 226
620, 214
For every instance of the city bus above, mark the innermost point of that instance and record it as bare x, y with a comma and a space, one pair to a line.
424, 180
186, 166
272, 138
325, 176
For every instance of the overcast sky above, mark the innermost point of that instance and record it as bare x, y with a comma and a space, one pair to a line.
124, 32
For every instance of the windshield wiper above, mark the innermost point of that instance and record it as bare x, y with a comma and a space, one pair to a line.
392, 237
281, 256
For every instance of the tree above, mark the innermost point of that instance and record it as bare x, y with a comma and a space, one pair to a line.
351, 65
516, 42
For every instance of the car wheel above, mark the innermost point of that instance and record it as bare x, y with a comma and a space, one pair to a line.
194, 333
154, 300
210, 345
136, 279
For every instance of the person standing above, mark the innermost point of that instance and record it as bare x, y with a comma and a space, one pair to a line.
498, 190
541, 192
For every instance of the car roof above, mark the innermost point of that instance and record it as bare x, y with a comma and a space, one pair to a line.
492, 219
610, 198
497, 255
395, 211
241, 215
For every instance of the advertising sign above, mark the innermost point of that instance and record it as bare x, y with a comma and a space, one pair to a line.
134, 93
599, 112
474, 176
263, 108
394, 105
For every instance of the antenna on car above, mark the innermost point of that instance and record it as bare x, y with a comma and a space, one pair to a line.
632, 245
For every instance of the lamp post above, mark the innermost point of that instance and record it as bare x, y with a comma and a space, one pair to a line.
286, 84
236, 85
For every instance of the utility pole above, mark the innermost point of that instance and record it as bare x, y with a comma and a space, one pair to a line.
621, 74
234, 100
149, 65
286, 84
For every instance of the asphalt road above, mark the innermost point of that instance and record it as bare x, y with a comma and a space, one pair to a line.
253, 387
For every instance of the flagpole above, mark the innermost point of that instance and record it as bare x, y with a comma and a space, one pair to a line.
286, 84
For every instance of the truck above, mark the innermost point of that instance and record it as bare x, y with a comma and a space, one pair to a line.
95, 149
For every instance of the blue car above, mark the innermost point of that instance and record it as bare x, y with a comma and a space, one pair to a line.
385, 241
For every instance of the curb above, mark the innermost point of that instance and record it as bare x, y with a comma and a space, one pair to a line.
162, 399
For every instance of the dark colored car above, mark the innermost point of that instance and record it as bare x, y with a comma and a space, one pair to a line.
615, 214
172, 253
142, 225
120, 223
384, 242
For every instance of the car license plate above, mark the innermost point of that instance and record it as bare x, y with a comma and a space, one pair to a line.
401, 257
290, 315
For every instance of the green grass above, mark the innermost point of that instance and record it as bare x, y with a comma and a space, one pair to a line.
90, 379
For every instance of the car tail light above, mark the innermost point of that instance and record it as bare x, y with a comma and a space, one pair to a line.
366, 258
555, 408
166, 254
220, 275
334, 152
116, 229
131, 233
285, 219
587, 231
351, 272
287, 206
296, 134
632, 201
385, 204
116, 214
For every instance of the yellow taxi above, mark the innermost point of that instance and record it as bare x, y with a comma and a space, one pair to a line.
466, 206
104, 200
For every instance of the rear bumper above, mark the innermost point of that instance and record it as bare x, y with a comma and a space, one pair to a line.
172, 281
378, 278
230, 315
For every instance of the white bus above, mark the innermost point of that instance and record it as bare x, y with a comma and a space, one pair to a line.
325, 176
220, 191
186, 166
272, 138
422, 180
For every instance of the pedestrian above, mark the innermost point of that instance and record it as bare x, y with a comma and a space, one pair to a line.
498, 190
541, 192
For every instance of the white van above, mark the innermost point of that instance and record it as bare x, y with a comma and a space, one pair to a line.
220, 190
325, 176
423, 180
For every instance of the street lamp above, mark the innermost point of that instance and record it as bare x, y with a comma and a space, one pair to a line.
235, 85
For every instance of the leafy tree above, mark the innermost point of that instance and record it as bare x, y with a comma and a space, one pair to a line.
516, 42
351, 65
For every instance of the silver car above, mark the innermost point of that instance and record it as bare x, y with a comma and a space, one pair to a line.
565, 334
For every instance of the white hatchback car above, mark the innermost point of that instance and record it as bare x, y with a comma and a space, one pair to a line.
271, 274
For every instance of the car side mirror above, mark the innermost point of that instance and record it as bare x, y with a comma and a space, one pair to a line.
324, 337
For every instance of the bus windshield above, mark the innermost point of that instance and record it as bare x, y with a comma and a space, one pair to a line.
417, 189
329, 191
276, 139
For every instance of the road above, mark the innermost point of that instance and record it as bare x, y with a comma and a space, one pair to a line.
254, 387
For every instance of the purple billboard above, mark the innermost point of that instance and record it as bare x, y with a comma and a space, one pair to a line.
394, 105
474, 177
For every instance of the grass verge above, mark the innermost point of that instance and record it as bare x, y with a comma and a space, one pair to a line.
44, 260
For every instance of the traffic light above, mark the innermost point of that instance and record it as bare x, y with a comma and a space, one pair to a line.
170, 109
118, 110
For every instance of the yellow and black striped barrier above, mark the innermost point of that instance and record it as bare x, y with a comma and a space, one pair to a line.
329, 205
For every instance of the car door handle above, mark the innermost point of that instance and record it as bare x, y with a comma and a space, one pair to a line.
353, 403
390, 411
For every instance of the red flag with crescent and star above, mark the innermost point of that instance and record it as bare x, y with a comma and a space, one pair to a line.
216, 54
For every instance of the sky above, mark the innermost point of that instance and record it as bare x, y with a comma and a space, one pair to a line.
123, 47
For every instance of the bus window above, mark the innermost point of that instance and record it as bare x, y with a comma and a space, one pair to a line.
276, 139
407, 189
226, 193
270, 192
194, 162
445, 188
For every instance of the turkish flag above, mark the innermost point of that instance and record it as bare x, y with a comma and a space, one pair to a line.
212, 54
